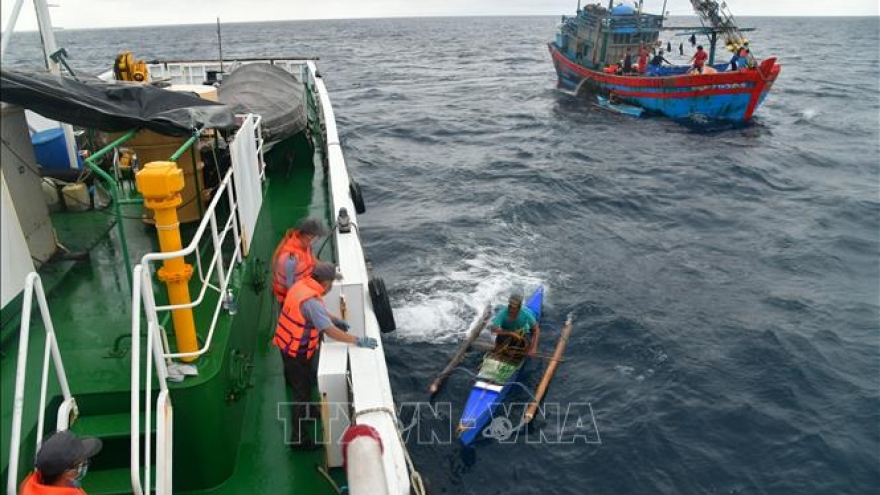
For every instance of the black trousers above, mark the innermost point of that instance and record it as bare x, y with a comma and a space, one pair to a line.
301, 375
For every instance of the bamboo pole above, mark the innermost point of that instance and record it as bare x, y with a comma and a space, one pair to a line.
472, 335
489, 347
551, 369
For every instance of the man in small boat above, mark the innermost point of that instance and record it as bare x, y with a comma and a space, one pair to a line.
304, 317
699, 59
516, 329
293, 258
61, 464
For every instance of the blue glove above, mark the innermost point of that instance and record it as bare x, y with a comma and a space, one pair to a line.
368, 342
341, 324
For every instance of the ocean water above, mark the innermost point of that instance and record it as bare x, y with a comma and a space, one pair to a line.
724, 282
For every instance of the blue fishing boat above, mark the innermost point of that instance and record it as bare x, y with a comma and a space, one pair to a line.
595, 51
494, 380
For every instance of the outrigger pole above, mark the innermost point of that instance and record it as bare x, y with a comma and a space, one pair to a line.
551, 369
472, 335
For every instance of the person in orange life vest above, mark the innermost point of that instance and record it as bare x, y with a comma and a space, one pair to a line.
61, 464
303, 319
699, 59
293, 258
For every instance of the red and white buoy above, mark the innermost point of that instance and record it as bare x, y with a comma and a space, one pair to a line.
362, 457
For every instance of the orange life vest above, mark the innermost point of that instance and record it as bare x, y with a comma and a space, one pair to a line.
294, 335
32, 485
305, 262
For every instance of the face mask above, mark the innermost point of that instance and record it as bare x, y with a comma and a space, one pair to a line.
80, 474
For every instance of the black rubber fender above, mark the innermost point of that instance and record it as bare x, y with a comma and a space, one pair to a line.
356, 197
381, 305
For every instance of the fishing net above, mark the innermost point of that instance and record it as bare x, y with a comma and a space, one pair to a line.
495, 370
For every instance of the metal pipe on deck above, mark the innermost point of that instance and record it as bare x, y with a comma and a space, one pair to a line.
160, 183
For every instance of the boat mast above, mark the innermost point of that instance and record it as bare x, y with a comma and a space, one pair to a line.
47, 35
10, 26
606, 28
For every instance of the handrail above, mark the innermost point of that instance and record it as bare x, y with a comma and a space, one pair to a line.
114, 194
157, 352
143, 291
216, 260
33, 283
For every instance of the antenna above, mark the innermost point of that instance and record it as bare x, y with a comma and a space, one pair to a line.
220, 45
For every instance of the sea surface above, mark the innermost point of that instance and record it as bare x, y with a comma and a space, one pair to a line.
723, 282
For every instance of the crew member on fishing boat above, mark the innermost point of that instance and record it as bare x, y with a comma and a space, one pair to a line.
510, 326
303, 319
699, 59
293, 258
61, 464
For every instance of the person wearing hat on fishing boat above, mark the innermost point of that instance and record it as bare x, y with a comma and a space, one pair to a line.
293, 258
304, 317
61, 464
516, 329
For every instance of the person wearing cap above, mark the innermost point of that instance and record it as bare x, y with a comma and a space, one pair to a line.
511, 325
293, 258
61, 464
304, 317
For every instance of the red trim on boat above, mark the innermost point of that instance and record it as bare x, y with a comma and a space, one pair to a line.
767, 72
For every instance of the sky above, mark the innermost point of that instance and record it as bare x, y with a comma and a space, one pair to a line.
77, 14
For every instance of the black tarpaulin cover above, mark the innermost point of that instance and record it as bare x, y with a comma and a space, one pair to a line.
269, 91
113, 107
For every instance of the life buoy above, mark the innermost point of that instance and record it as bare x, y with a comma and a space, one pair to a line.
356, 197
381, 305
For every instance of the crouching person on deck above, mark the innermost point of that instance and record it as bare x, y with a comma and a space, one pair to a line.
510, 326
61, 464
303, 319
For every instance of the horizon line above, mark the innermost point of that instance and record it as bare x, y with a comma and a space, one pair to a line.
266, 21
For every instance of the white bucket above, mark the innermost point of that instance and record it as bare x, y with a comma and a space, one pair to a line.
76, 197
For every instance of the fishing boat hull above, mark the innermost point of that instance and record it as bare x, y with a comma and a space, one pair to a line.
728, 95
486, 396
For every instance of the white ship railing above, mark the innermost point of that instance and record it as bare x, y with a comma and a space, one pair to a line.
242, 196
68, 408
143, 290
372, 400
194, 72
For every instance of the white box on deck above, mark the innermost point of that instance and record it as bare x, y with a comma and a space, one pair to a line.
353, 292
333, 386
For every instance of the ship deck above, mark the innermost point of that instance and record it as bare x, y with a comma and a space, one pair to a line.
90, 305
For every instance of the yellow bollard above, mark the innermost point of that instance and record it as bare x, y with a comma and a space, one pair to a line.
160, 184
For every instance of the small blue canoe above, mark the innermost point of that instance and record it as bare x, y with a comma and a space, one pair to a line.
494, 381
622, 108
